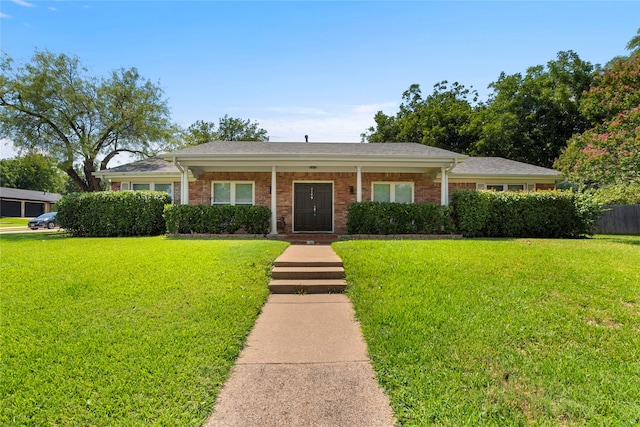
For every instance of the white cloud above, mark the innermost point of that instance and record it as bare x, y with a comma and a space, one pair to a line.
4, 16
53, 9
331, 123
23, 3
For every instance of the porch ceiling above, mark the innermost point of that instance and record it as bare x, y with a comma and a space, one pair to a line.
312, 168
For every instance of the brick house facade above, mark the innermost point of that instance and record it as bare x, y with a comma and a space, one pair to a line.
315, 183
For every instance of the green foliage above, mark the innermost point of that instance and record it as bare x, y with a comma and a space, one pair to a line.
397, 218
52, 105
123, 332
529, 118
469, 212
216, 219
501, 332
113, 213
32, 172
229, 129
551, 214
609, 153
622, 194
441, 120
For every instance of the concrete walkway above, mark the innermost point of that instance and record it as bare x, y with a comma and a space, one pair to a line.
305, 364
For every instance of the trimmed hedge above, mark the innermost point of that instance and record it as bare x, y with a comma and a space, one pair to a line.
216, 219
550, 214
397, 218
113, 213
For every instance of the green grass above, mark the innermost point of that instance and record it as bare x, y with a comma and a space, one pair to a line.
502, 332
123, 332
9, 223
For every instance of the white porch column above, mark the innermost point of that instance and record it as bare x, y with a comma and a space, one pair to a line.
274, 203
184, 187
444, 187
358, 183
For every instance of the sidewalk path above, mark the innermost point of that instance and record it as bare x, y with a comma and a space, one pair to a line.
305, 364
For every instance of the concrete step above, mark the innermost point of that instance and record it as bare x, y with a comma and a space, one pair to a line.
301, 273
280, 286
308, 256
311, 239
307, 263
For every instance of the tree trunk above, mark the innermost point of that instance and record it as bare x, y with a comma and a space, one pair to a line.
76, 179
93, 182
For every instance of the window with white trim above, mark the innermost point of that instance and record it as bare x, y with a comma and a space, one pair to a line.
232, 193
506, 187
398, 192
154, 186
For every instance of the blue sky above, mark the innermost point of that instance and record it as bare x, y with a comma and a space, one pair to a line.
316, 68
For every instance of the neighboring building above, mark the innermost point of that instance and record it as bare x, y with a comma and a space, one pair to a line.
308, 186
26, 203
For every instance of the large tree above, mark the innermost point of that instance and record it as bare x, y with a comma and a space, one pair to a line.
229, 129
53, 105
530, 118
440, 120
32, 172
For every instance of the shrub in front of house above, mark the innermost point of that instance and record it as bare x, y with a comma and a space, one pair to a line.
216, 219
550, 214
397, 218
113, 213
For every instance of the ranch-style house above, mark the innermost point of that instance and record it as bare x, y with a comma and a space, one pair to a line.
308, 186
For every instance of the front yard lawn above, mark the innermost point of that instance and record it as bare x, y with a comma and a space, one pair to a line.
13, 223
502, 332
123, 332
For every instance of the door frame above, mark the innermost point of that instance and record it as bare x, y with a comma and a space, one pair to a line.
293, 204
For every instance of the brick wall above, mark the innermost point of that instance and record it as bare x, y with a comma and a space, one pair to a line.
424, 189
540, 187
200, 191
461, 186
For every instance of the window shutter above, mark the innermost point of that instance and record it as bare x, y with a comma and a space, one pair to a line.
480, 186
124, 186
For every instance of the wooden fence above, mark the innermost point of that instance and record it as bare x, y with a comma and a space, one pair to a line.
620, 219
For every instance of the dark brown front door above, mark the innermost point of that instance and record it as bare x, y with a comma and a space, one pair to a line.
313, 207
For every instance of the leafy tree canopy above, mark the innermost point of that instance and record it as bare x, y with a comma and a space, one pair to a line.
440, 120
52, 105
229, 129
32, 172
529, 118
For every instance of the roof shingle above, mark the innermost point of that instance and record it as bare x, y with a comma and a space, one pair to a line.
499, 166
402, 149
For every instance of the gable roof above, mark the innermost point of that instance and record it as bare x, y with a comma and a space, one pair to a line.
492, 166
244, 154
151, 165
29, 195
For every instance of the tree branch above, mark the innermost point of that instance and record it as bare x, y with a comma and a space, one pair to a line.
111, 155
